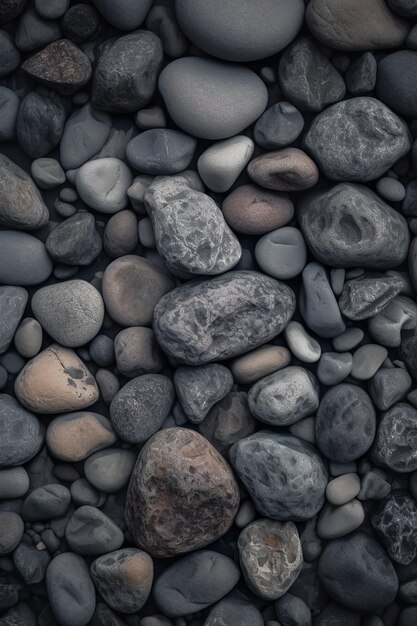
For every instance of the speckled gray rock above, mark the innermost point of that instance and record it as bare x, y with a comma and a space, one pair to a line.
90, 531
189, 322
282, 253
109, 470
137, 352
11, 531
103, 183
395, 443
334, 367
23, 259
210, 99
21, 204
317, 302
284, 397
367, 295
9, 104
388, 386
40, 123
182, 588
279, 126
22, 435
395, 521
350, 226
85, 133
361, 75
161, 151
270, 556
138, 410
386, 327
46, 503
199, 388
9, 55
190, 231
357, 140
75, 241
72, 311
12, 305
125, 76
126, 15
285, 477
345, 423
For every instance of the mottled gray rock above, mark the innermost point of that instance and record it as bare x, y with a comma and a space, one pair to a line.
357, 140
125, 76
126, 15
161, 151
345, 423
75, 241
46, 503
90, 531
361, 75
279, 126
282, 253
210, 99
389, 386
199, 388
395, 443
9, 104
47, 173
34, 32
284, 397
23, 259
190, 322
318, 305
395, 521
85, 133
11, 531
109, 470
31, 563
350, 226
137, 352
22, 435
103, 183
270, 556
81, 23
334, 367
399, 315
9, 55
367, 295
285, 477
12, 305
40, 122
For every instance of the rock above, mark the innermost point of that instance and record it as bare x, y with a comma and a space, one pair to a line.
47, 173
282, 253
361, 75
389, 386
75, 436
22, 435
12, 305
373, 487
307, 78
199, 388
9, 104
334, 367
367, 295
11, 531
343, 489
285, 477
51, 10
162, 21
34, 32
23, 259
210, 99
345, 423
394, 442
125, 76
11, 9
55, 381
71, 592
335, 615
220, 165
395, 522
250, 367
289, 169
386, 327
9, 55
190, 232
367, 360
240, 31
81, 22
279, 126
31, 563
182, 588
182, 495
304, 347
196, 340
270, 556
14, 482
408, 8
109, 471
104, 616
394, 82
75, 241
137, 352
85, 133
350, 226
21, 204
121, 234
408, 351
91, 532
46, 503
284, 397
317, 302
132, 286
351, 26
251, 210
290, 608
234, 609
126, 15
160, 151
103, 183
338, 521
40, 123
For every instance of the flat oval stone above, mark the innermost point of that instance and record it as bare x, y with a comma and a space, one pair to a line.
12, 306
350, 226
23, 259
250, 367
182, 494
210, 99
126, 15
367, 295
282, 253
338, 521
367, 360
21, 433
289, 169
74, 436
357, 140
220, 165
189, 322
199, 388
109, 470
90, 531
317, 302
285, 477
395, 443
343, 489
103, 183
161, 151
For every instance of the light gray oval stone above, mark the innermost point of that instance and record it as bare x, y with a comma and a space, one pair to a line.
282, 253
103, 183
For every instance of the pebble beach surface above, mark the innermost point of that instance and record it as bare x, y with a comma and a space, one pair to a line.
208, 313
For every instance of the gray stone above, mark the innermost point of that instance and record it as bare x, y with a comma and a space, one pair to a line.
40, 122
127, 69
75, 241
11, 9
408, 8
126, 15
12, 305
47, 173
288, 169
343, 489
109, 470
34, 32
390, 189
161, 151
350, 226
399, 315
84, 493
108, 383
220, 165
19, 615
71, 312
367, 360
122, 130
374, 486
199, 388
162, 21
22, 435
23, 259
357, 140
293, 610
389, 386
409, 205
395, 86
190, 231
279, 126
137, 352
81, 23
338, 521
395, 521
85, 133
11, 531
282, 253
9, 105
9, 55
395, 443
51, 9
190, 322
285, 477
234, 609
210, 99
31, 563
284, 397
14, 482
121, 234
334, 367
90, 531
103, 183
46, 503
367, 295
335, 615
361, 75
307, 78
317, 302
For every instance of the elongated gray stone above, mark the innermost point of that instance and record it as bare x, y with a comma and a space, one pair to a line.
12, 305
318, 304
367, 295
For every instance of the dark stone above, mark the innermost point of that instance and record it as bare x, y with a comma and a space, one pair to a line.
292, 610
336, 615
388, 386
279, 126
34, 32
395, 520
81, 22
396, 439
19, 615
21, 435
234, 609
9, 9
367, 295
104, 616
9, 596
408, 352
31, 563
361, 75
395, 82
199, 388
75, 241
161, 151
12, 305
40, 123
9, 55
90, 531
46, 503
373, 487
408, 8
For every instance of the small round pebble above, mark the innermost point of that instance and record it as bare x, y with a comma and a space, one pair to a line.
338, 521
220, 165
121, 234
51, 9
390, 189
109, 470
334, 367
282, 253
103, 183
343, 489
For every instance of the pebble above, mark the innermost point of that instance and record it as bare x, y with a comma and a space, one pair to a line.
220, 165
246, 514
12, 305
394, 442
103, 183
343, 489
200, 388
34, 32
31, 563
368, 295
163, 22
22, 435
91, 532
270, 556
128, 15
21, 615
395, 522
317, 302
282, 253
14, 482
9, 55
234, 609
11, 531
51, 10
194, 498
361, 75
334, 367
80, 23
390, 189
182, 588
47, 173
23, 259
121, 234
367, 360
285, 477
109, 470
289, 169
304, 347
75, 436
9, 104
407, 8
373, 486
393, 83
160, 151
279, 126
40, 123
210, 99
338, 521
46, 503
11, 9
386, 327
256, 364
108, 384
85, 133
389, 386
291, 609
75, 241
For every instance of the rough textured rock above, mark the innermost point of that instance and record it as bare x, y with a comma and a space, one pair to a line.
368, 295
75, 241
395, 521
386, 327
388, 386
199, 388
182, 494
190, 322
75, 436
12, 305
21, 433
396, 437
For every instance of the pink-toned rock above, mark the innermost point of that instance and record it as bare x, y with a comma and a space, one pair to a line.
289, 169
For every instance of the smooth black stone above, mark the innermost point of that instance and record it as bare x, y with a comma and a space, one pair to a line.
40, 123
396, 85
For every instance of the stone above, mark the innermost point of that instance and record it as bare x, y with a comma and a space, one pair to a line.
126, 72
31, 563
91, 532
367, 295
343, 489
103, 183
152, 117
395, 522
11, 9
334, 367
282, 253
307, 78
12, 305
399, 315
345, 423
161, 151
270, 556
81, 22
163, 22
220, 165
357, 140
132, 286
51, 10
71, 592
84, 493
285, 476
335, 615
367, 360
373, 486
121, 234
127, 15
361, 75
408, 353
75, 241
9, 103
108, 384
23, 259
34, 32
19, 615
85, 133
200, 388
109, 470
21, 204
250, 210
189, 321
47, 173
71, 312
338, 521
9, 55
14, 482
394, 442
258, 363
182, 588
182, 494
317, 302
137, 352
234, 609
284, 397
240, 31
301, 344
75, 436
46, 503
40, 123
22, 435
279, 126
55, 381
289, 169
290, 608
389, 386
11, 531
123, 578
352, 27
210, 99
408, 8
350, 226
394, 82
191, 234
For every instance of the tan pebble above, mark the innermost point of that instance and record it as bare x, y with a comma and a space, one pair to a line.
253, 366
342, 489
73, 437
289, 169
